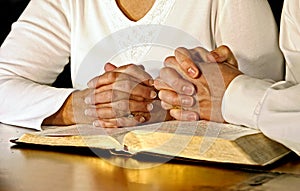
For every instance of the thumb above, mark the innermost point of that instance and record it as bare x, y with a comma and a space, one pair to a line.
109, 67
222, 54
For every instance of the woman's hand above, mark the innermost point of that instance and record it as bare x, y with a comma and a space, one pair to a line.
123, 96
192, 83
72, 111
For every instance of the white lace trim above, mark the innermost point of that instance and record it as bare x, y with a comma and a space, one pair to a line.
131, 39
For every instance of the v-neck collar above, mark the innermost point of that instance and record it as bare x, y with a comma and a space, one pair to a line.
125, 18
156, 15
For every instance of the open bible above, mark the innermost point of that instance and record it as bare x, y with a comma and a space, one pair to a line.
200, 140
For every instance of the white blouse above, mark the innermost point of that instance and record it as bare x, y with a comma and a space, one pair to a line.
274, 108
92, 32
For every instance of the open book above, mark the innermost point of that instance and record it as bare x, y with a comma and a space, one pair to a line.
201, 140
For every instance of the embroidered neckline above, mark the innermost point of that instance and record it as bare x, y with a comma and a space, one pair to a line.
157, 15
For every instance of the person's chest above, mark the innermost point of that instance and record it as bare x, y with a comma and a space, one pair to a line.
101, 29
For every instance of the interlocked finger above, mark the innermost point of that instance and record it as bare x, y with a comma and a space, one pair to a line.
174, 99
130, 87
118, 109
172, 78
109, 96
184, 115
133, 120
136, 71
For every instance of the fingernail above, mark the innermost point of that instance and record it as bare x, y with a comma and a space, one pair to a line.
153, 94
88, 100
191, 72
88, 112
149, 107
187, 101
151, 82
187, 90
97, 124
142, 119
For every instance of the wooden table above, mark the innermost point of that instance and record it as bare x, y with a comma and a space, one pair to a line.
34, 169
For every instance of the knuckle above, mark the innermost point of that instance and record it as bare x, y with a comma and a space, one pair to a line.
180, 50
111, 76
131, 65
122, 105
164, 73
113, 95
176, 83
168, 59
93, 83
199, 48
225, 49
128, 85
99, 113
123, 85
164, 70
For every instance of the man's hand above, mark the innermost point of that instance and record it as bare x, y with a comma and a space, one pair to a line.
219, 55
192, 83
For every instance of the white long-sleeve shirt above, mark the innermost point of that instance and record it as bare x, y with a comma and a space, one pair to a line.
93, 32
274, 108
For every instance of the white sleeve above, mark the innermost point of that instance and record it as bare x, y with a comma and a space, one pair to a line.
275, 111
249, 29
241, 99
290, 39
279, 116
272, 108
31, 57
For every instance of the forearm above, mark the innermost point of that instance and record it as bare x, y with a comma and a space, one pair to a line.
25, 103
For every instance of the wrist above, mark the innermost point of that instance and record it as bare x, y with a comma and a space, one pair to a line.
64, 116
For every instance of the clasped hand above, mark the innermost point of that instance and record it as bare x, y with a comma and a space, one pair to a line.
122, 96
191, 87
192, 83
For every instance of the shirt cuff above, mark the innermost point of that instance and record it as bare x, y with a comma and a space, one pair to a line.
241, 99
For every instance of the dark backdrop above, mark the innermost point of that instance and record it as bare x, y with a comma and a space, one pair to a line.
276, 6
10, 11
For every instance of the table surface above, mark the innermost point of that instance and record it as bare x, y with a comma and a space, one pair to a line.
36, 169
